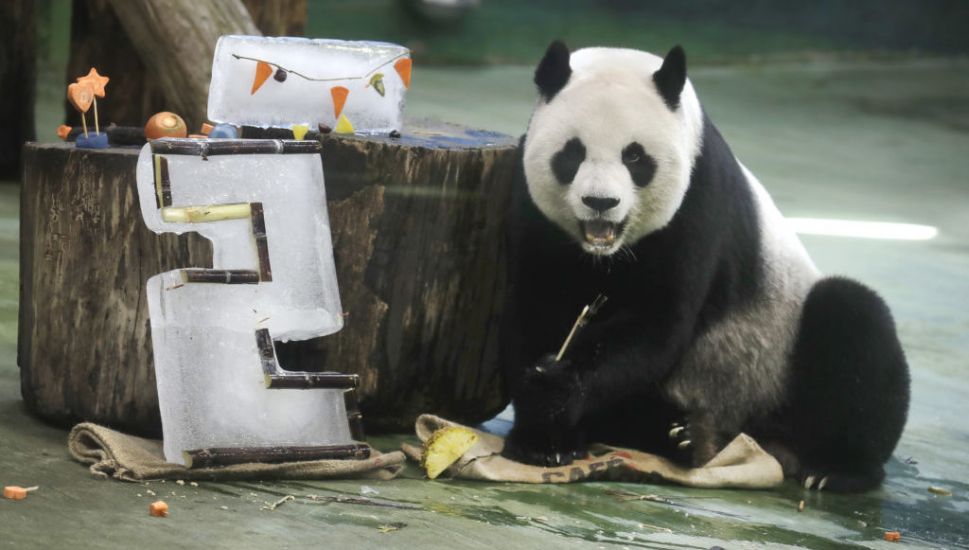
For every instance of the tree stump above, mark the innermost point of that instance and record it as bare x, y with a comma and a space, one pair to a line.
417, 227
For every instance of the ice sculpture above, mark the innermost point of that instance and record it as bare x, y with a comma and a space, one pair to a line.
262, 204
351, 85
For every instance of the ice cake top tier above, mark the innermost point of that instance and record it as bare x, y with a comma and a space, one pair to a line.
283, 81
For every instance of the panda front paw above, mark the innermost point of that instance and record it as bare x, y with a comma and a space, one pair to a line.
541, 457
550, 393
548, 448
548, 409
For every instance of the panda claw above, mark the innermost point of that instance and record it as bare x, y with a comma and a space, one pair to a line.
822, 483
676, 431
808, 482
684, 444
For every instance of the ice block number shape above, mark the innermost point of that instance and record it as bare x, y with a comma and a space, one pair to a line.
342, 84
262, 204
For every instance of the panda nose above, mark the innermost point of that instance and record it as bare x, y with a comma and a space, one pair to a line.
600, 204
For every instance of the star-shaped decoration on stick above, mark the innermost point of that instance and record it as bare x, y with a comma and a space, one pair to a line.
96, 81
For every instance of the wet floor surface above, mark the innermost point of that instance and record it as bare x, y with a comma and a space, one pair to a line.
869, 142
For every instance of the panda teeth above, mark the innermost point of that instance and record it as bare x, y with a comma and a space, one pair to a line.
599, 232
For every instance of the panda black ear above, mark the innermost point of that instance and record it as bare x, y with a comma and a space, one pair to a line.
671, 77
553, 71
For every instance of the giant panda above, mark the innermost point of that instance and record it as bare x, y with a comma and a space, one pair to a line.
716, 321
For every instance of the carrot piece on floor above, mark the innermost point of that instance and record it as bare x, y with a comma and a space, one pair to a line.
159, 509
893, 536
13, 492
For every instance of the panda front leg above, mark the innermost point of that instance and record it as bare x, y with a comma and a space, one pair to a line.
560, 406
614, 360
548, 428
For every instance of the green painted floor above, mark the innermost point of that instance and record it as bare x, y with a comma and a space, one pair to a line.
873, 142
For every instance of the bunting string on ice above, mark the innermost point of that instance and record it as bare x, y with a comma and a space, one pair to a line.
264, 70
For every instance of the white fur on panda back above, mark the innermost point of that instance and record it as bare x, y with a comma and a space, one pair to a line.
740, 366
787, 261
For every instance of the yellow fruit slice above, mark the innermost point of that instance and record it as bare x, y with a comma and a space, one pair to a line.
445, 447
343, 125
299, 131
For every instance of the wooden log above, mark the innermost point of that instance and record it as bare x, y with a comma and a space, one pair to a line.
176, 41
18, 71
417, 234
98, 39
279, 17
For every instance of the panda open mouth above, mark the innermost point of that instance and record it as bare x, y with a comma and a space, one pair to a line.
601, 233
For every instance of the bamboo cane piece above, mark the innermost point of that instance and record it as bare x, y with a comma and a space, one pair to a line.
220, 276
206, 148
354, 416
163, 182
262, 241
207, 458
204, 214
277, 378
586, 314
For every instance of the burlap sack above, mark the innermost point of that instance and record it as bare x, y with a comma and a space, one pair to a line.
742, 464
129, 458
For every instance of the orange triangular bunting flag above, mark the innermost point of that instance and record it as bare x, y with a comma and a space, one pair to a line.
403, 69
339, 94
263, 70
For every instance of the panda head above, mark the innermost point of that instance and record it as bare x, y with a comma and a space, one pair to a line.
611, 144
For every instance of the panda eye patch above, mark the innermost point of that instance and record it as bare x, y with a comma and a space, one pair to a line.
641, 166
565, 163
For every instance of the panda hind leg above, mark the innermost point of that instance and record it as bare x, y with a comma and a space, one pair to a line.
849, 388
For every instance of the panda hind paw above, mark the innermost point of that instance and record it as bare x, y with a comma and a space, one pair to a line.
814, 481
680, 436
